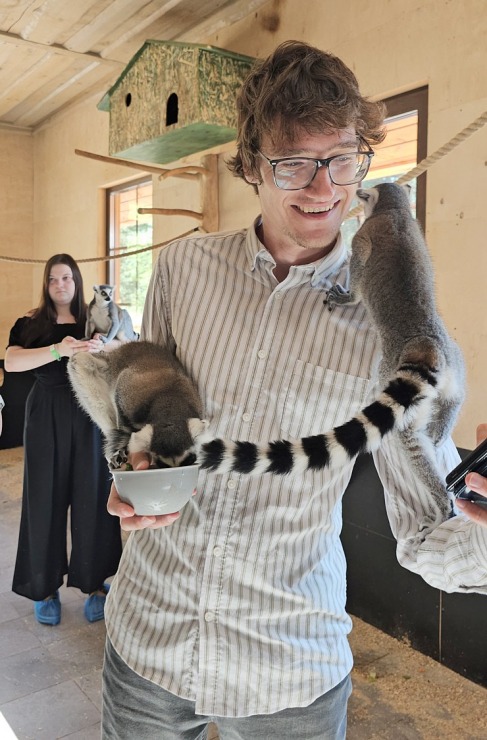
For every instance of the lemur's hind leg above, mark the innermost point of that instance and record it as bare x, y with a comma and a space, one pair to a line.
88, 375
418, 450
442, 366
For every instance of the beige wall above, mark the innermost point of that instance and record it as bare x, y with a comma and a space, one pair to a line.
17, 198
392, 46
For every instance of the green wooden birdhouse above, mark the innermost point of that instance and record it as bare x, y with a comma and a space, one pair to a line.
174, 99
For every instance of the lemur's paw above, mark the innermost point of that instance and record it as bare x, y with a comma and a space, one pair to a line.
118, 460
337, 294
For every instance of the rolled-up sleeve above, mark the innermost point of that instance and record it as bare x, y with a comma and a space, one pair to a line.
452, 555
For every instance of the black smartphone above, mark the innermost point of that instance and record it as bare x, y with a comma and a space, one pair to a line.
475, 462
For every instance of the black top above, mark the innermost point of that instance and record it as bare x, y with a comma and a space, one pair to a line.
53, 373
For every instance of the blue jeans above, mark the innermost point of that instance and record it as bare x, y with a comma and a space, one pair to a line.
137, 709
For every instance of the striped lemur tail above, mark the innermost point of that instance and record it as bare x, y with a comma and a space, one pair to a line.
412, 387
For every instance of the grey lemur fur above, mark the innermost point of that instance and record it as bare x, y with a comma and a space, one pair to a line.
142, 400
421, 370
107, 318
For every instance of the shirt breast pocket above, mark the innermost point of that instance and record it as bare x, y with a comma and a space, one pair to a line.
318, 399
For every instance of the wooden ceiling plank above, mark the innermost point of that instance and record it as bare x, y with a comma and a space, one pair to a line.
27, 83
179, 21
138, 30
11, 14
13, 66
222, 18
110, 18
50, 22
45, 95
94, 90
15, 40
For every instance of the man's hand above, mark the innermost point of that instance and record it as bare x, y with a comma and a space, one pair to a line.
476, 512
129, 521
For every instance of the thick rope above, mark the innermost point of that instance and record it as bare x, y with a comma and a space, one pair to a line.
421, 167
107, 257
434, 157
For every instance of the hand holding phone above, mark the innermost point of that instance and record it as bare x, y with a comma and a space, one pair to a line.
475, 462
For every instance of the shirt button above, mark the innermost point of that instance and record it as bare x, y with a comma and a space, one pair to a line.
232, 483
246, 416
210, 617
261, 353
218, 551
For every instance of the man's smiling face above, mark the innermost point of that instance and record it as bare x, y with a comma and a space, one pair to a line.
307, 219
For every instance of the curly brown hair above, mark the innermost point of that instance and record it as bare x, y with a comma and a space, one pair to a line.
299, 88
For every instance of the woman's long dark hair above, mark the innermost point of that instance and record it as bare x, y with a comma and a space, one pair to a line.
45, 315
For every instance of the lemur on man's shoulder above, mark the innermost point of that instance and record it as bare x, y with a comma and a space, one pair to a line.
421, 370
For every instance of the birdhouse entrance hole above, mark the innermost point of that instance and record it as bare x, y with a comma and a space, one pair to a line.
172, 109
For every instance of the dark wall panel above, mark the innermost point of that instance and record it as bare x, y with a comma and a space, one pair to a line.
447, 627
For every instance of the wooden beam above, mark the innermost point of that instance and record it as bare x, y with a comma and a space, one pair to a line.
209, 196
90, 57
137, 165
171, 212
177, 171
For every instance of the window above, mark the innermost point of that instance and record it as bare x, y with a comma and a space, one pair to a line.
404, 146
128, 230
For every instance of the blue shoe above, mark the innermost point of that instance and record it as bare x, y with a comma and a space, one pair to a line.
48, 611
95, 604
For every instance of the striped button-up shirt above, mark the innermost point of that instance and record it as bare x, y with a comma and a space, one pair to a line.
239, 605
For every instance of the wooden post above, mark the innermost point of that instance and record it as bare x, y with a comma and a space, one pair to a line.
209, 196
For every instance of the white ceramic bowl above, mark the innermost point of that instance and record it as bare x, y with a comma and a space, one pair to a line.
156, 491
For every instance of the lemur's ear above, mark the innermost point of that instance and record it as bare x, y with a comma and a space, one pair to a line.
197, 426
363, 194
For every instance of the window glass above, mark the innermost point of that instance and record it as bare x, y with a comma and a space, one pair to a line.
403, 147
128, 231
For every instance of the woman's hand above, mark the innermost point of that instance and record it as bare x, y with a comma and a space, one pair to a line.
71, 346
476, 512
129, 521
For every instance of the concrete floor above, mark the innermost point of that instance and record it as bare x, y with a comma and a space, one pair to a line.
50, 676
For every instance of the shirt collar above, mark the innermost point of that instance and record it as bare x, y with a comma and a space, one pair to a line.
320, 270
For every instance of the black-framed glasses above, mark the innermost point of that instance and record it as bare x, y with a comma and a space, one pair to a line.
296, 173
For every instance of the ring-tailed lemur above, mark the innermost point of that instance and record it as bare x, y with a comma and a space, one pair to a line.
421, 369
142, 400
107, 318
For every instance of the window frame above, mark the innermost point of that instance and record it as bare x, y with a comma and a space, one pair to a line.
112, 223
400, 104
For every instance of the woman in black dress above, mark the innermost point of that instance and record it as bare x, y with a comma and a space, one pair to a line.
64, 467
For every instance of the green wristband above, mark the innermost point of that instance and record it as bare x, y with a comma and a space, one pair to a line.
54, 352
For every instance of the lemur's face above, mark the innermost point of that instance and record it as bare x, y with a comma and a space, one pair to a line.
103, 294
369, 198
169, 445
